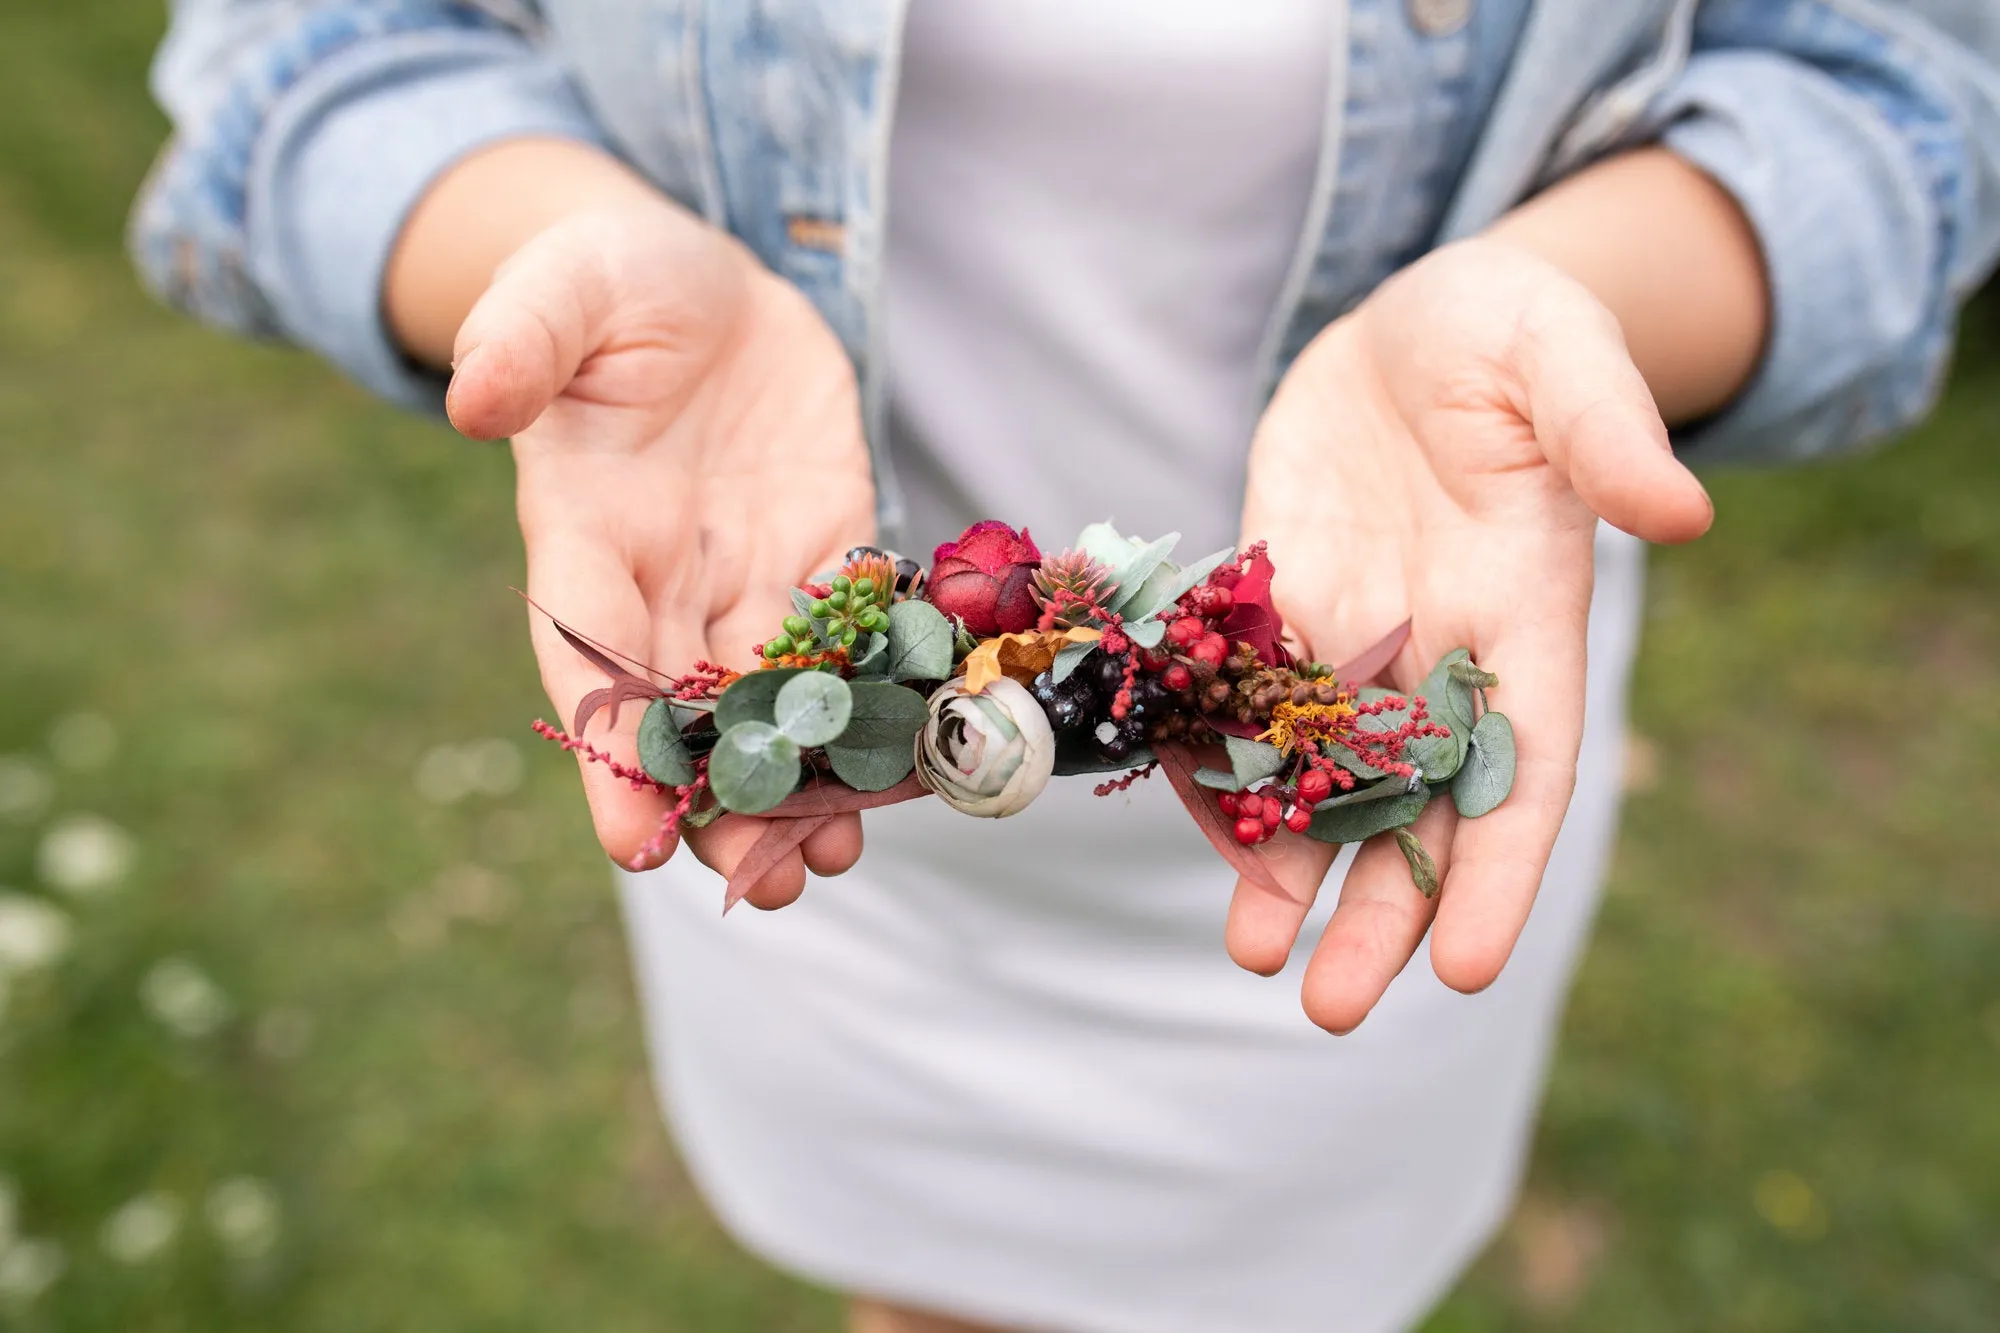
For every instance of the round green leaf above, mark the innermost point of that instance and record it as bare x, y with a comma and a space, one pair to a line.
753, 767
662, 752
752, 697
1252, 761
812, 708
1488, 773
883, 715
874, 769
920, 642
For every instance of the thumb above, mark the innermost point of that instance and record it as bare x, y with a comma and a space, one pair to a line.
520, 346
1597, 424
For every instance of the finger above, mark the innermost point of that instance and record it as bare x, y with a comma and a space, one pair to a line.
1498, 859
590, 588
1376, 926
1262, 926
834, 849
1596, 421
525, 337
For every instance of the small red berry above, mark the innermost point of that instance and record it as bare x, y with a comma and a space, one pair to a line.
1251, 805
1272, 815
1185, 632
1212, 649
1177, 678
1314, 786
1154, 660
1220, 601
1230, 805
1298, 821
1249, 832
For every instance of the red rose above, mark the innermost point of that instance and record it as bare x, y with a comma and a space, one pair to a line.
1252, 619
985, 578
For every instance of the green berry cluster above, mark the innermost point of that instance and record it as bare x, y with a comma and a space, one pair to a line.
851, 608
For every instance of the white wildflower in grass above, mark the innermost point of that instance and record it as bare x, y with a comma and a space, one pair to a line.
441, 775
244, 1212
493, 765
28, 1268
25, 789
83, 741
449, 773
83, 854
183, 999
141, 1228
33, 933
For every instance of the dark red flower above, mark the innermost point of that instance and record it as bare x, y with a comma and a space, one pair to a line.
1252, 619
986, 579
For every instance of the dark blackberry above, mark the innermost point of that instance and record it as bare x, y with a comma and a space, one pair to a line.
1116, 741
1108, 673
1068, 705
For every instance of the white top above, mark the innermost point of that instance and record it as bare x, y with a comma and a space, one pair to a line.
1092, 207
1004, 1068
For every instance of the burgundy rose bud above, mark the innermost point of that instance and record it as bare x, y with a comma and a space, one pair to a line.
1252, 619
986, 579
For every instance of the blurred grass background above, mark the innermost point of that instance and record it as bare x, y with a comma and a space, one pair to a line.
314, 1012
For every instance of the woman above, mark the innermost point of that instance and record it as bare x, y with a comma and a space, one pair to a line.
741, 278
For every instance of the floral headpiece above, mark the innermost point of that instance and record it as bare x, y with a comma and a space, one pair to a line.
998, 668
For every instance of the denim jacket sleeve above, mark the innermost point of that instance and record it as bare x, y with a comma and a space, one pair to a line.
304, 131
1862, 138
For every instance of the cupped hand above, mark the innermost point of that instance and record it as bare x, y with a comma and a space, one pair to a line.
1443, 454
688, 446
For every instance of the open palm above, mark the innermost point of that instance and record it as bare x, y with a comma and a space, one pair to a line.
688, 446
1443, 455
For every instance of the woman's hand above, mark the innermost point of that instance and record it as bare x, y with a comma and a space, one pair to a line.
688, 444
1443, 454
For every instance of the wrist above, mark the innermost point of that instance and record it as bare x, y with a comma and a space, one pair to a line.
481, 210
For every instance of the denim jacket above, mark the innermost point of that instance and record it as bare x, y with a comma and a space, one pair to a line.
1861, 137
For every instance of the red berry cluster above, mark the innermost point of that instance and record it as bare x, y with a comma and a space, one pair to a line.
1260, 813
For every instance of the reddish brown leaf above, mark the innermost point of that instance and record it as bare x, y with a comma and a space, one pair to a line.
1373, 661
833, 798
1179, 764
779, 838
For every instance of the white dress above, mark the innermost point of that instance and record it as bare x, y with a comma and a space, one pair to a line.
1004, 1069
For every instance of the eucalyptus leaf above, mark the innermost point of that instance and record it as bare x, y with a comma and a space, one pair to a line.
920, 642
1488, 774
1378, 791
1106, 545
752, 697
1069, 658
1075, 755
1252, 761
1358, 823
1216, 779
1138, 567
1448, 697
813, 707
874, 656
802, 603
874, 768
1179, 585
1472, 676
883, 715
753, 767
1422, 869
662, 752
1147, 633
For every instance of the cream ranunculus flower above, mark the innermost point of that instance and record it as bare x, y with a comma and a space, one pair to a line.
987, 754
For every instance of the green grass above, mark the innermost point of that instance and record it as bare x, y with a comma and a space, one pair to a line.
1777, 1103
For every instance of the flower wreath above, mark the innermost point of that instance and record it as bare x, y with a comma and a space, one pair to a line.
995, 670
